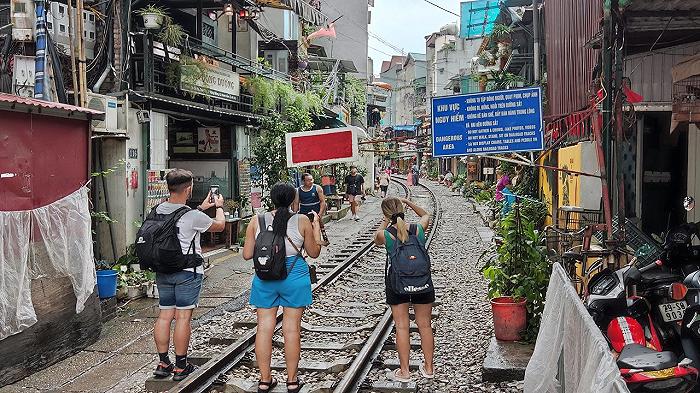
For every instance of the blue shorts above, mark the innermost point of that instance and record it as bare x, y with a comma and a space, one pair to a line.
179, 290
294, 291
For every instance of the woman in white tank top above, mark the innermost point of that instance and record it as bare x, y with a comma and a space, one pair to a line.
293, 293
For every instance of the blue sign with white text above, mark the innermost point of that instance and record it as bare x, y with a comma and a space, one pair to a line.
487, 123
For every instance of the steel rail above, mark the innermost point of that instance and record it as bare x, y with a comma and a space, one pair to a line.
210, 373
355, 376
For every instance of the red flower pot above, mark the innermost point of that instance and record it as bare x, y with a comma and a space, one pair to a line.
509, 318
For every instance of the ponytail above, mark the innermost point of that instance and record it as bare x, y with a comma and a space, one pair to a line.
279, 223
401, 230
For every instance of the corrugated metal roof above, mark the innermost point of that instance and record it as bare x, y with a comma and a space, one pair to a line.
12, 101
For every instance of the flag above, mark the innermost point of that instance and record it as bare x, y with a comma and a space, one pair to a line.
328, 31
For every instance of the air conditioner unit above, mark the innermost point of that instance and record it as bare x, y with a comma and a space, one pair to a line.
105, 104
22, 14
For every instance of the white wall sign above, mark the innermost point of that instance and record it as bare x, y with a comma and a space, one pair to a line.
219, 83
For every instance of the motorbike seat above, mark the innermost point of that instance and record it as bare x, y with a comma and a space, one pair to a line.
660, 277
636, 356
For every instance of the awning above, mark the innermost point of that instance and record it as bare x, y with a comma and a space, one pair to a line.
304, 10
326, 64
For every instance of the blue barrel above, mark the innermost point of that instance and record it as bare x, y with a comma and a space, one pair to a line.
106, 283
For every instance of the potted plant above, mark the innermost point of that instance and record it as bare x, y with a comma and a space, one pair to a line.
106, 279
130, 259
231, 206
518, 275
153, 16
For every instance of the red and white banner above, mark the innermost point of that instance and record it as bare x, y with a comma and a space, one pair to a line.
316, 147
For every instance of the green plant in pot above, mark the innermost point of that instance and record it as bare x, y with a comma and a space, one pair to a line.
153, 16
518, 274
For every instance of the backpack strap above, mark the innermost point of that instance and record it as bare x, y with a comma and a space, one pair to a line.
298, 250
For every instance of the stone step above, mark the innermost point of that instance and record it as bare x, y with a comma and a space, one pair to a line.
394, 387
393, 364
505, 361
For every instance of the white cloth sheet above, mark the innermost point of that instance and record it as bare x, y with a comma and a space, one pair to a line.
64, 229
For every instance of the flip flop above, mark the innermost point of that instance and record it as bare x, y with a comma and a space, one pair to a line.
394, 375
424, 373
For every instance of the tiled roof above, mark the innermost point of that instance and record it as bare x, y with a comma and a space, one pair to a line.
29, 103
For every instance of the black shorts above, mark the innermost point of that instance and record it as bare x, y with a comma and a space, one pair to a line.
384, 188
393, 299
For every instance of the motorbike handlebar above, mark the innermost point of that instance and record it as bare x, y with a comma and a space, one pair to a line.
650, 266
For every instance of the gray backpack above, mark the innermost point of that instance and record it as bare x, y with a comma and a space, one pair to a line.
408, 265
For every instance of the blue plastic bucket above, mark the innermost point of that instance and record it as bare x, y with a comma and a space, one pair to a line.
106, 283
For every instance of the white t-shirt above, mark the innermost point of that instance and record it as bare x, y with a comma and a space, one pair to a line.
190, 226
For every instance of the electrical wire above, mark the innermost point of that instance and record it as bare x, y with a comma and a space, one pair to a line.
444, 9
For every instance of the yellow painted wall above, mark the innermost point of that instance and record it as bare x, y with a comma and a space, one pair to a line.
569, 185
546, 188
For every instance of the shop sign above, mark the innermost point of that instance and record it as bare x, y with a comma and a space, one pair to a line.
487, 123
218, 83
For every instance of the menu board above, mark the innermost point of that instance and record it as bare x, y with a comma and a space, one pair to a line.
156, 188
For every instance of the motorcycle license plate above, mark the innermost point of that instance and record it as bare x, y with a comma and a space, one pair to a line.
672, 312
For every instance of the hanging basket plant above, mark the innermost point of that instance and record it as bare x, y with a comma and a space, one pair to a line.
153, 16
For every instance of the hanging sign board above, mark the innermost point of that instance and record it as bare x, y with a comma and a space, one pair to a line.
217, 83
502, 121
320, 147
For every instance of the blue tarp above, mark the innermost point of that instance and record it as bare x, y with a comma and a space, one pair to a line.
478, 17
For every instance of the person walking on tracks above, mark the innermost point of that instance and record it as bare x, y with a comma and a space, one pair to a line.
177, 260
310, 198
408, 281
354, 186
384, 178
274, 242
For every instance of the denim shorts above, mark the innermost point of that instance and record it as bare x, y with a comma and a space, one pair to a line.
179, 290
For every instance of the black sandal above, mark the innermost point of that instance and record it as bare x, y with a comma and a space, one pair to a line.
297, 389
270, 385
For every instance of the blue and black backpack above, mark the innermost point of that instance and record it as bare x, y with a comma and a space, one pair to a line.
408, 265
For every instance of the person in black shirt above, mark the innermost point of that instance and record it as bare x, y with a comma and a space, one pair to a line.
354, 184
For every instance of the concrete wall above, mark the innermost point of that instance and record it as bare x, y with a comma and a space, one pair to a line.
351, 32
125, 201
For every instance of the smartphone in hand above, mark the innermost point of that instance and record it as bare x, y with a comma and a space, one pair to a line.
213, 193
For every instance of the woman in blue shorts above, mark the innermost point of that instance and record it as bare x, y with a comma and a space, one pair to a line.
293, 293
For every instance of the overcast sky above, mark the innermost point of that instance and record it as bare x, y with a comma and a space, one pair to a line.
405, 23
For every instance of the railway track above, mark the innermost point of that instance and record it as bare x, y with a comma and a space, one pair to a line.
344, 331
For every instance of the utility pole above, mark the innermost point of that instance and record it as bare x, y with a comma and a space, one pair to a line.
71, 48
82, 72
536, 38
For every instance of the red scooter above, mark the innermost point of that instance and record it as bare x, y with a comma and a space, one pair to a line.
626, 320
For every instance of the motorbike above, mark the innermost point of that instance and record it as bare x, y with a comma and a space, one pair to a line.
626, 320
674, 291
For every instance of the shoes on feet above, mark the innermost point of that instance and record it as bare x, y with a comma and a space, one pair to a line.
181, 373
269, 386
298, 383
424, 373
396, 377
164, 370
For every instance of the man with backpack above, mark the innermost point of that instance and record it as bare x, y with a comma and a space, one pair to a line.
169, 244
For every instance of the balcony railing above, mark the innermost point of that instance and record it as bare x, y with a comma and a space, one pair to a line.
153, 65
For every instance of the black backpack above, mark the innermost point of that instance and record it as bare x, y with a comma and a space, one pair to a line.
408, 265
158, 247
270, 253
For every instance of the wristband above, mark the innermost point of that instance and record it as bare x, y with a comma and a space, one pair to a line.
200, 208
